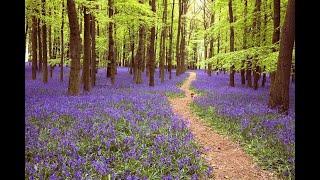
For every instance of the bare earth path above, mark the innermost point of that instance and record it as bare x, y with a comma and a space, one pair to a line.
226, 157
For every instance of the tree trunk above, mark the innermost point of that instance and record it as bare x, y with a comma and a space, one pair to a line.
74, 80
249, 72
86, 51
111, 55
279, 94
152, 48
40, 46
163, 40
276, 31
139, 56
170, 55
242, 71
264, 77
34, 47
232, 72
62, 43
183, 37
178, 41
256, 35
44, 47
211, 46
93, 50
132, 51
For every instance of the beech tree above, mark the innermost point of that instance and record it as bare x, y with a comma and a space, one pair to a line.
279, 92
74, 80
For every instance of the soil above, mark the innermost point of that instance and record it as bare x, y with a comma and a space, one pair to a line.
226, 157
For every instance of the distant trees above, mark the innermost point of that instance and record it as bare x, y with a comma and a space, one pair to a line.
143, 35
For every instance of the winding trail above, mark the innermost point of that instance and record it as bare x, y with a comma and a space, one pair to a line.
227, 158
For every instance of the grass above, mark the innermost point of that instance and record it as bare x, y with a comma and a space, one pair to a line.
267, 152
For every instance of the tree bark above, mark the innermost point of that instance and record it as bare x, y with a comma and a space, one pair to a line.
62, 43
86, 51
232, 72
276, 32
279, 94
170, 54
183, 38
256, 34
93, 50
111, 55
44, 47
34, 47
178, 41
74, 80
138, 59
152, 49
39, 46
242, 71
163, 40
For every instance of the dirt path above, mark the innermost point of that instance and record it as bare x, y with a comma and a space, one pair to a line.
226, 157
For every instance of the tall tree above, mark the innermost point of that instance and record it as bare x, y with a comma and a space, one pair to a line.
39, 46
163, 40
183, 37
279, 92
131, 34
178, 41
232, 72
62, 42
170, 54
93, 50
86, 51
44, 45
138, 62
211, 45
111, 55
276, 31
257, 39
74, 80
34, 47
245, 40
152, 49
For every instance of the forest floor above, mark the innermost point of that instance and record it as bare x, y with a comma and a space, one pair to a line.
226, 157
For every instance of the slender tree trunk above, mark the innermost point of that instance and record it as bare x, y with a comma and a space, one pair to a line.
276, 33
44, 43
132, 51
163, 40
178, 41
279, 94
152, 48
86, 51
34, 47
62, 43
232, 72
211, 46
39, 46
93, 50
139, 56
257, 34
74, 80
183, 38
111, 55
170, 55
242, 71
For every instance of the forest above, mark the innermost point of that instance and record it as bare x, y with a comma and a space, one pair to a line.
160, 89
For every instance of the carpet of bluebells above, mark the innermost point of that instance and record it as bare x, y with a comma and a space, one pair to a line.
248, 108
121, 131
